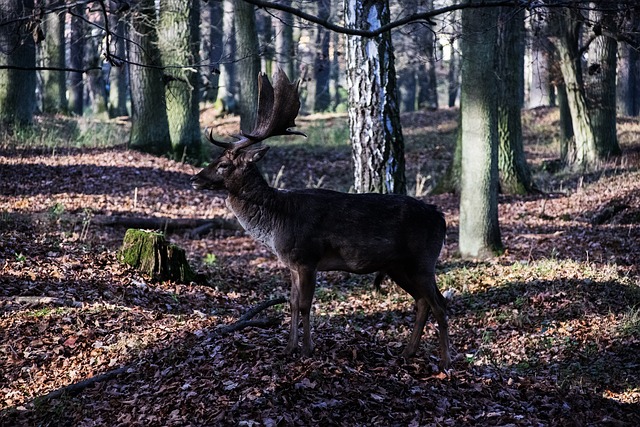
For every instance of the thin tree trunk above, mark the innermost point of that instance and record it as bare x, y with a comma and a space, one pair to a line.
374, 119
118, 75
426, 75
479, 229
228, 90
322, 64
285, 52
76, 59
212, 40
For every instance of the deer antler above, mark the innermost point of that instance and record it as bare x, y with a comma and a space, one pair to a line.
277, 110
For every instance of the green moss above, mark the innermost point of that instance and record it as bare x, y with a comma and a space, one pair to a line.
150, 253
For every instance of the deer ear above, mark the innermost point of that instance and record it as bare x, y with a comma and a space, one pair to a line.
252, 156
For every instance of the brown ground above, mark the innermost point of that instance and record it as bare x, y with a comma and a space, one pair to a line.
547, 334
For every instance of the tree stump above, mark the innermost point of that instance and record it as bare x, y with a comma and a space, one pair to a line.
150, 253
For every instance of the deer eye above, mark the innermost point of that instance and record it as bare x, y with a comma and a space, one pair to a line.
223, 166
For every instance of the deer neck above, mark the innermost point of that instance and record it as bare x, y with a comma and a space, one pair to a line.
250, 202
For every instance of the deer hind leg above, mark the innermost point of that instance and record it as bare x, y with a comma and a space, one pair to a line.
303, 284
438, 305
428, 298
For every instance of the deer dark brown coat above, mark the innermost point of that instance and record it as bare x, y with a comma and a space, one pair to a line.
319, 230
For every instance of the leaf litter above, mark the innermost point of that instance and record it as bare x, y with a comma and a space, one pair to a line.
547, 334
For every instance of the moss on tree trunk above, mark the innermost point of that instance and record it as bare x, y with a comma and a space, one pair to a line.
150, 253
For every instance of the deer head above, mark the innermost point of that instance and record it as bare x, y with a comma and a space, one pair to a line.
278, 106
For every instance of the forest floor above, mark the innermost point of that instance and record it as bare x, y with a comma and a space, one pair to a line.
546, 334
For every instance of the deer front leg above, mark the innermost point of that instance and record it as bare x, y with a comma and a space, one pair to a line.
294, 303
307, 288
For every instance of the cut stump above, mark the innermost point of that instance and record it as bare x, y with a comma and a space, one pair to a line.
150, 253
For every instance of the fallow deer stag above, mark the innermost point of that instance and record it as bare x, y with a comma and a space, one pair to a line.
319, 230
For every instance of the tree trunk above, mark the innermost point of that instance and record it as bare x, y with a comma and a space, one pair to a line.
76, 60
118, 75
426, 73
54, 83
450, 181
179, 43
453, 75
322, 63
601, 80
479, 230
539, 54
515, 176
566, 126
285, 52
582, 153
374, 120
212, 46
248, 63
96, 85
628, 88
149, 125
17, 87
228, 90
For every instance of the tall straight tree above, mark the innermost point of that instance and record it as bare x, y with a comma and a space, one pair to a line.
248, 65
479, 229
76, 59
426, 73
515, 176
54, 99
149, 124
600, 82
581, 153
211, 42
285, 52
374, 119
322, 63
179, 43
227, 92
17, 86
117, 75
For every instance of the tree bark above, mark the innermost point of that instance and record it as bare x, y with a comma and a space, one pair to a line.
118, 75
601, 79
426, 73
285, 51
248, 63
539, 57
212, 46
17, 87
76, 60
149, 125
54, 83
582, 152
374, 120
515, 176
479, 229
179, 43
228, 90
322, 63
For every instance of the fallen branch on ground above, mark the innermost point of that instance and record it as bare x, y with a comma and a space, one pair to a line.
35, 300
246, 320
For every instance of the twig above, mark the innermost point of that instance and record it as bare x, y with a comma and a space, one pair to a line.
243, 322
34, 300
